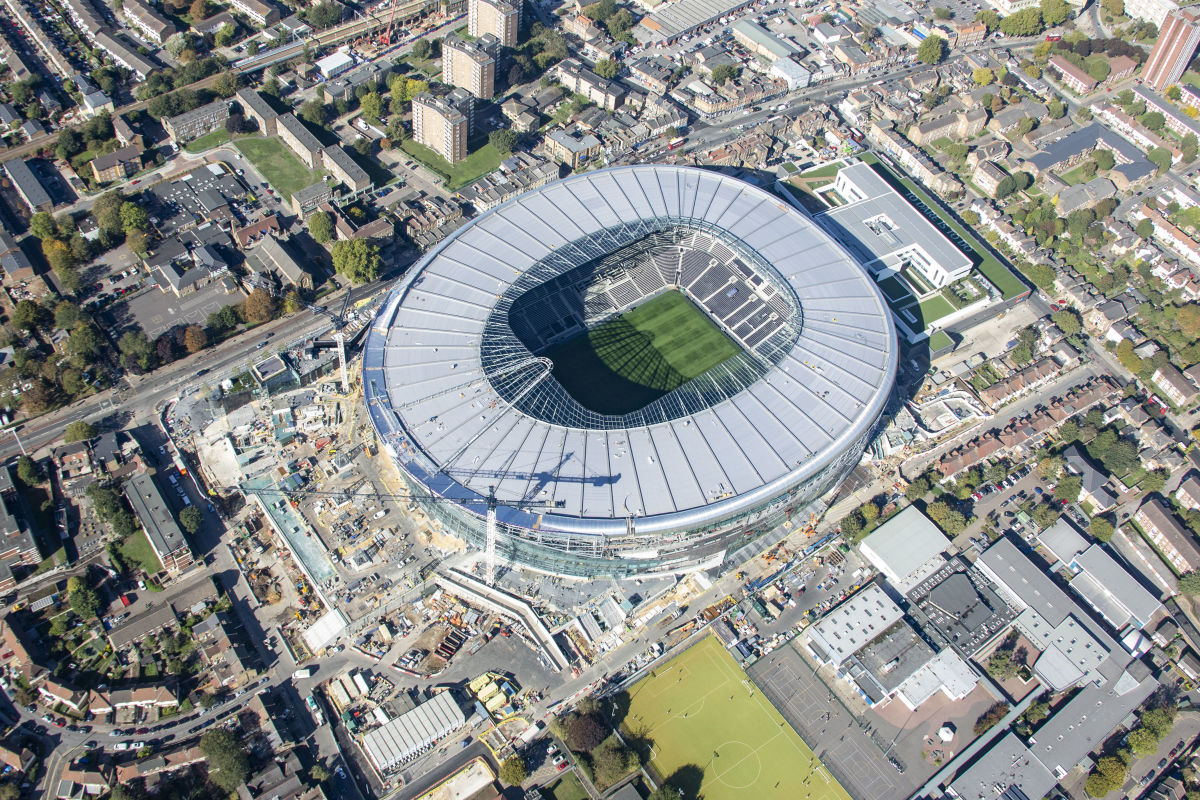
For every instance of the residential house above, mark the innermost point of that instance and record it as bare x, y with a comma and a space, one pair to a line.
1172, 540
1171, 382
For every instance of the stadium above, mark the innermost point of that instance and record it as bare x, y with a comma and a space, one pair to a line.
645, 367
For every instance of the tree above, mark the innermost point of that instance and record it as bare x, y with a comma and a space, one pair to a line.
941, 12
1055, 109
1101, 529
1067, 321
917, 489
42, 225
990, 718
259, 307
989, 18
607, 68
1024, 126
371, 105
1159, 721
948, 519
933, 50
1154, 120
1027, 22
513, 770
1068, 488
504, 140
1154, 481
191, 519
134, 217
136, 351
357, 259
1104, 159
1187, 315
983, 76
30, 316
1115, 8
78, 431
228, 764
195, 339
318, 774
84, 342
585, 732
313, 112
1142, 742
1002, 665
66, 314
226, 84
1021, 355
27, 471
1144, 228
723, 72
84, 600
611, 761
198, 10
1055, 12
320, 226
1108, 774
421, 49
1161, 158
1189, 584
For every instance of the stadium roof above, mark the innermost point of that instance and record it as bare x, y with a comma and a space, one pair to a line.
441, 416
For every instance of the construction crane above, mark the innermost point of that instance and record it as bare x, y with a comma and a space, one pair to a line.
491, 526
386, 38
339, 338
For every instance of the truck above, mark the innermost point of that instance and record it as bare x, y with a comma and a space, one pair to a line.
302, 673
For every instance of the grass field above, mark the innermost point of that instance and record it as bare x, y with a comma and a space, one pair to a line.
271, 157
477, 163
207, 141
567, 787
701, 711
632, 360
137, 550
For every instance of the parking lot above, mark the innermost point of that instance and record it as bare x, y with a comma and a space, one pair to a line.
158, 309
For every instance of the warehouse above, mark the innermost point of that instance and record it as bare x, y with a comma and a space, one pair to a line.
412, 733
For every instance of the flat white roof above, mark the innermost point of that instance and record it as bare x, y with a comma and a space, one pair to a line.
907, 548
846, 629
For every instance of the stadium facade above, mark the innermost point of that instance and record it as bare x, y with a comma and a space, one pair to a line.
466, 401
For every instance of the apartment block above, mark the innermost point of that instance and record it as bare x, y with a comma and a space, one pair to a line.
440, 126
471, 65
258, 109
117, 165
262, 13
197, 122
344, 168
1173, 541
300, 139
148, 22
1177, 40
500, 18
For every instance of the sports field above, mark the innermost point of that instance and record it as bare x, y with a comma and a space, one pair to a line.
700, 710
632, 360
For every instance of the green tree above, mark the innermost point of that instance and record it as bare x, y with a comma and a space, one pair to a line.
320, 226
607, 68
513, 770
1002, 665
224, 35
28, 315
1104, 159
371, 105
134, 217
1161, 158
1101, 529
66, 314
1159, 721
42, 225
228, 764
1027, 22
313, 112
1189, 584
28, 472
421, 49
191, 519
136, 351
1068, 488
1154, 120
1055, 12
989, 18
79, 431
917, 489
983, 76
357, 259
83, 599
951, 521
85, 342
1067, 321
724, 72
932, 50
1142, 742
318, 774
504, 140
943, 13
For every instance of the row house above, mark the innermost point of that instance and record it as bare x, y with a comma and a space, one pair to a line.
1187, 247
1173, 541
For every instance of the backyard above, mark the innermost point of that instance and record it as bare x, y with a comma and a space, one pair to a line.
275, 162
137, 550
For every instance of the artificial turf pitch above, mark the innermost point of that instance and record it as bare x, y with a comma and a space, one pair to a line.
701, 710
632, 360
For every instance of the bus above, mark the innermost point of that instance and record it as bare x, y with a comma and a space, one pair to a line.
676, 142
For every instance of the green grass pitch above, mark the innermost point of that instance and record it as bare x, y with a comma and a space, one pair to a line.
633, 360
701, 710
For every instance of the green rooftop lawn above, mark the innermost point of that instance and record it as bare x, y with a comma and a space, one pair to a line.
1008, 284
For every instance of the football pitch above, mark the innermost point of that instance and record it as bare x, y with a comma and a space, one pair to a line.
700, 710
636, 358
